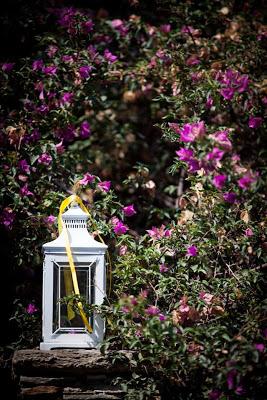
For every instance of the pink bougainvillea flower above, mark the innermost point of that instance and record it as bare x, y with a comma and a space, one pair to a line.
68, 59
85, 71
85, 130
158, 233
24, 191
50, 70
37, 65
260, 347
60, 148
88, 26
165, 28
230, 378
31, 308
104, 186
184, 307
50, 219
119, 228
227, 93
45, 159
7, 217
87, 179
152, 310
163, 268
191, 132
209, 102
119, 26
184, 154
219, 181
162, 317
207, 297
255, 122
192, 60
128, 211
189, 30
216, 154
123, 250
111, 58
66, 98
215, 394
192, 251
230, 197
52, 50
193, 165
7, 67
246, 181
24, 166
221, 137
249, 232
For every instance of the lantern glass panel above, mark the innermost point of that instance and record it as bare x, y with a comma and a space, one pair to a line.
66, 318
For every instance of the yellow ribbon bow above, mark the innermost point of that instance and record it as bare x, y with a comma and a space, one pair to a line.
70, 285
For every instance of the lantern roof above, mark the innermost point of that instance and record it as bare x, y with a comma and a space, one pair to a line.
79, 238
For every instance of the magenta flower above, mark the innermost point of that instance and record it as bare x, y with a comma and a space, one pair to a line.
260, 347
50, 70
165, 28
255, 122
128, 211
192, 251
192, 60
246, 181
227, 93
7, 217
31, 308
162, 317
50, 219
37, 65
87, 179
209, 102
123, 250
193, 165
60, 148
24, 166
66, 98
152, 310
207, 297
111, 58
85, 71
7, 67
104, 186
185, 154
85, 130
119, 228
158, 233
219, 181
231, 378
163, 268
249, 232
67, 59
24, 191
45, 159
229, 197
191, 132
215, 394
51, 51
221, 137
88, 26
216, 154
119, 26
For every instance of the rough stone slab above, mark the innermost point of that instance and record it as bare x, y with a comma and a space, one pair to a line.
42, 392
104, 394
61, 363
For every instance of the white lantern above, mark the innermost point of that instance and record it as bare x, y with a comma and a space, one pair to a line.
62, 327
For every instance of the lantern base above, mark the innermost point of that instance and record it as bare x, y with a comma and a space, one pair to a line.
44, 346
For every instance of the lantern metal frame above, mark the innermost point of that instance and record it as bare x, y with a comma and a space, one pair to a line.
88, 253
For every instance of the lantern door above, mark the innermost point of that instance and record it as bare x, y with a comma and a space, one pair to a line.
62, 323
